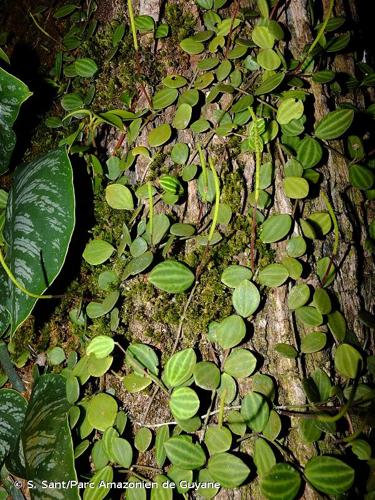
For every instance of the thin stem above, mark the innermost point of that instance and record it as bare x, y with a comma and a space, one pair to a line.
150, 211
204, 171
146, 373
132, 25
40, 28
217, 200
18, 284
336, 233
322, 28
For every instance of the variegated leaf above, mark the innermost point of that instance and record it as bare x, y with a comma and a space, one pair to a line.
12, 414
39, 223
13, 93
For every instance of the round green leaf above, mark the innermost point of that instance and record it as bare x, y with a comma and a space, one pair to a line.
322, 301
230, 331
240, 363
246, 298
101, 411
55, 356
264, 457
184, 454
289, 109
159, 135
275, 228
184, 403
174, 81
313, 342
100, 346
191, 46
143, 438
222, 466
361, 177
273, 275
135, 383
268, 59
121, 452
296, 188
329, 475
296, 246
85, 67
119, 197
227, 384
309, 315
180, 153
164, 98
233, 275
298, 296
179, 368
334, 124
263, 37
309, 152
286, 350
281, 483
255, 410
97, 251
182, 117
206, 375
347, 360
217, 439
171, 276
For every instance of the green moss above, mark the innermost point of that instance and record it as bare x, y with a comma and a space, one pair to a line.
232, 188
181, 23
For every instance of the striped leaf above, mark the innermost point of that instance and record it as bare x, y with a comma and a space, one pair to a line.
184, 403
13, 93
255, 410
309, 152
184, 454
264, 457
85, 67
281, 483
46, 439
179, 368
329, 475
171, 276
39, 224
334, 124
217, 439
12, 414
289, 109
228, 470
100, 346
162, 435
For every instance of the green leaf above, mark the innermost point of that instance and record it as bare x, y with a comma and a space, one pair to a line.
309, 152
171, 276
180, 153
233, 275
281, 483
329, 475
179, 368
72, 101
264, 457
12, 414
217, 439
289, 109
143, 438
97, 251
255, 410
263, 37
324, 76
337, 325
246, 298
286, 350
298, 296
46, 439
98, 367
121, 452
273, 427
313, 342
361, 449
100, 346
334, 124
348, 360
174, 81
227, 384
206, 375
275, 228
162, 436
99, 480
230, 331
191, 46
159, 135
182, 117
85, 67
13, 93
55, 356
119, 197
322, 301
240, 363
270, 84
144, 23
64, 10
309, 315
145, 355
38, 229
184, 454
164, 98
221, 467
101, 411
135, 383
361, 177
265, 385
309, 431
184, 403
98, 309
268, 59
296, 188
273, 275
183, 230
296, 246
179, 476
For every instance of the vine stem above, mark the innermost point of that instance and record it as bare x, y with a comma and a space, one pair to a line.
18, 284
336, 233
258, 160
150, 211
217, 200
132, 25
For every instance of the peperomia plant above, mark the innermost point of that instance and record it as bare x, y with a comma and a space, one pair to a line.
214, 352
